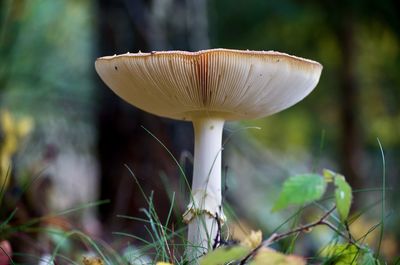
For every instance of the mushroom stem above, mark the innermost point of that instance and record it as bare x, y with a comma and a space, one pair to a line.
205, 205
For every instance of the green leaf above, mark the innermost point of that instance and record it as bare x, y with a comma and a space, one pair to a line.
344, 254
341, 254
343, 197
223, 255
299, 190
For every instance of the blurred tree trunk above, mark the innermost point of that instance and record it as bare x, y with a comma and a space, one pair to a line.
121, 140
137, 25
341, 20
351, 142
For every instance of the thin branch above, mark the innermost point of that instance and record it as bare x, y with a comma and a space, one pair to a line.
304, 228
275, 237
336, 230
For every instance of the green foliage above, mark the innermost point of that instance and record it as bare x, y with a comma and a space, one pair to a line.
299, 190
343, 193
344, 254
343, 197
341, 254
224, 255
302, 189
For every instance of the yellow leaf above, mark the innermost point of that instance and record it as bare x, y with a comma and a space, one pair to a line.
10, 145
7, 122
5, 166
12, 134
268, 256
252, 240
92, 261
163, 263
239, 230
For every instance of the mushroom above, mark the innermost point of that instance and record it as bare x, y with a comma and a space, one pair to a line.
208, 88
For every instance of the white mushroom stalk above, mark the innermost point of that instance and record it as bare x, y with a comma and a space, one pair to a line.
205, 207
209, 87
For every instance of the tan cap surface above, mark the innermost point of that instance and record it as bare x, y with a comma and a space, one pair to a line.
222, 83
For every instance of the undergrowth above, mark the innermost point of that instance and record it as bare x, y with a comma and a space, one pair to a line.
326, 193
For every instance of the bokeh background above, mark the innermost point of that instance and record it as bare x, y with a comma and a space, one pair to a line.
70, 139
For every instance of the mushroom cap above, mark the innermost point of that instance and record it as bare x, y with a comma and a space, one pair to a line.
220, 83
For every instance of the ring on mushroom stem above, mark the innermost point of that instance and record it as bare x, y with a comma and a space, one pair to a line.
192, 213
209, 87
